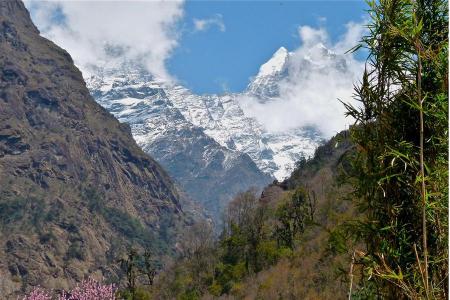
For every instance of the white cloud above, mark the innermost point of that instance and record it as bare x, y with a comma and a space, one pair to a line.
353, 35
96, 32
205, 24
310, 92
100, 32
312, 36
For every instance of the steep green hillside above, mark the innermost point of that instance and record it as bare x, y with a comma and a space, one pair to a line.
281, 245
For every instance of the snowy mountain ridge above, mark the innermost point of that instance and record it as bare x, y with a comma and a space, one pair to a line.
220, 117
224, 120
209, 172
210, 144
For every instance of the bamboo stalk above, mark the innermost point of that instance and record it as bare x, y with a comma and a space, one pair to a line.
351, 276
423, 188
419, 264
422, 168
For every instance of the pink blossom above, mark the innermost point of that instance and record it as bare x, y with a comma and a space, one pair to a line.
38, 294
90, 290
87, 290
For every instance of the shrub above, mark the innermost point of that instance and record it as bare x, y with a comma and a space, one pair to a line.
75, 250
45, 238
12, 210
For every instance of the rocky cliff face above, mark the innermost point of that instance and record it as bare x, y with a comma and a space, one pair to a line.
74, 186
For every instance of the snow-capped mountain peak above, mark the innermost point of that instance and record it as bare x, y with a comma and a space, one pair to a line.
276, 64
265, 84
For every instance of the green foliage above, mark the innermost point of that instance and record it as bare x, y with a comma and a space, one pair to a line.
12, 210
189, 295
139, 294
337, 242
123, 222
47, 237
249, 243
94, 200
402, 179
75, 251
215, 289
138, 268
292, 216
268, 252
19, 210
129, 226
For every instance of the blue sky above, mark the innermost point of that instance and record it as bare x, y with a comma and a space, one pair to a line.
217, 46
208, 46
212, 60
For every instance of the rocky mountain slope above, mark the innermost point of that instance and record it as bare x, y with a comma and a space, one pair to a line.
223, 119
209, 140
209, 172
74, 186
